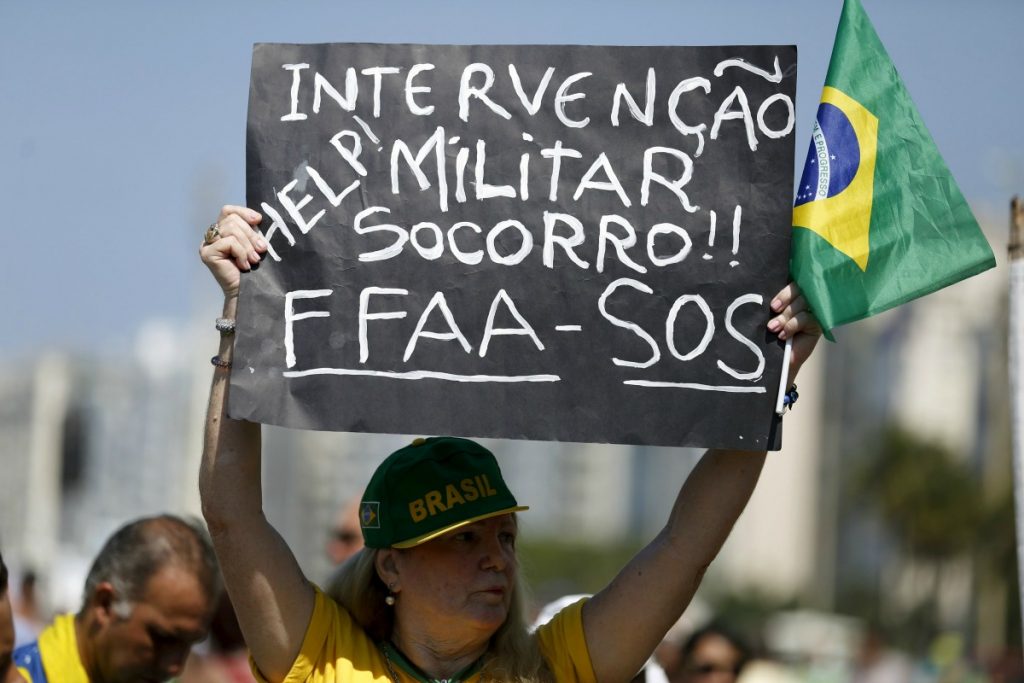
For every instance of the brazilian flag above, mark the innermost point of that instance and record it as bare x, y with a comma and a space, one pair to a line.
878, 218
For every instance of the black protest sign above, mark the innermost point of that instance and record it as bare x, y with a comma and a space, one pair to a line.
572, 243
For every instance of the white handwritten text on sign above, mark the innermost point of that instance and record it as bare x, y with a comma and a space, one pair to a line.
556, 242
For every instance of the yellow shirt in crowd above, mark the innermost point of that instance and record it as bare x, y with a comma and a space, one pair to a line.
54, 657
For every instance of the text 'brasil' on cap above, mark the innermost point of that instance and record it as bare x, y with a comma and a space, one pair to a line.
429, 488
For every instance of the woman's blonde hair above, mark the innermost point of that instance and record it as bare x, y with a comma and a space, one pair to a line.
513, 655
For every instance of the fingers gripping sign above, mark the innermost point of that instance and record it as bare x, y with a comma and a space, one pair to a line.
233, 244
794, 323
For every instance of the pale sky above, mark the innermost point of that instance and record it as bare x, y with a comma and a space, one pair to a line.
123, 125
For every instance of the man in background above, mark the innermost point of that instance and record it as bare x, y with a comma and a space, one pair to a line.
28, 616
346, 537
148, 598
8, 674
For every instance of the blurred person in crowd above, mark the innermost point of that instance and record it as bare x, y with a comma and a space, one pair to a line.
877, 663
223, 657
1007, 666
436, 593
949, 661
346, 538
712, 654
28, 616
8, 674
148, 598
669, 652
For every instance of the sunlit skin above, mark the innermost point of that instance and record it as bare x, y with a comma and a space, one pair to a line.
154, 641
460, 584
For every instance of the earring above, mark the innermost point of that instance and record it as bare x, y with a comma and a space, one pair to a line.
390, 599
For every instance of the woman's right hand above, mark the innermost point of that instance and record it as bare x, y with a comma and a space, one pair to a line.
236, 246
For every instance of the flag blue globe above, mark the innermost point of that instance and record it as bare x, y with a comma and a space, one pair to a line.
832, 158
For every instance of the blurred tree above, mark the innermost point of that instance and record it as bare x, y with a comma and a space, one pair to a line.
996, 554
936, 509
928, 497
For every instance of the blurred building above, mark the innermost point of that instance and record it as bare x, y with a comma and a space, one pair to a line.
87, 444
34, 401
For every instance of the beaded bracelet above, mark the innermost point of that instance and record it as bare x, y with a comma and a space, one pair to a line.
226, 326
220, 362
790, 398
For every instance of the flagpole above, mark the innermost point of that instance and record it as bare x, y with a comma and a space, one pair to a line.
1016, 366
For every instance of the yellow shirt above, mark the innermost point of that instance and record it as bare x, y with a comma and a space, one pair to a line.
337, 650
54, 657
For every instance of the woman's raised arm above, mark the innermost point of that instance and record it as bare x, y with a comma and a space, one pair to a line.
626, 621
269, 592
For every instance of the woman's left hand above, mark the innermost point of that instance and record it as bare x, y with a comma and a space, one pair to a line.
793, 319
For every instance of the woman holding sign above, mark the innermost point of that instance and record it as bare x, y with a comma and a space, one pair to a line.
434, 596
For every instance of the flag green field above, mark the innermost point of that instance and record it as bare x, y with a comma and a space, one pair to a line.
878, 219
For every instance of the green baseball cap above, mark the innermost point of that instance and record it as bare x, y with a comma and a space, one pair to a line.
429, 488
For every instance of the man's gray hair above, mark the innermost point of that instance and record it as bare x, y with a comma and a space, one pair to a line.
139, 549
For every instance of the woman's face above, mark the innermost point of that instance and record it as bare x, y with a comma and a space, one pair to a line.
461, 580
